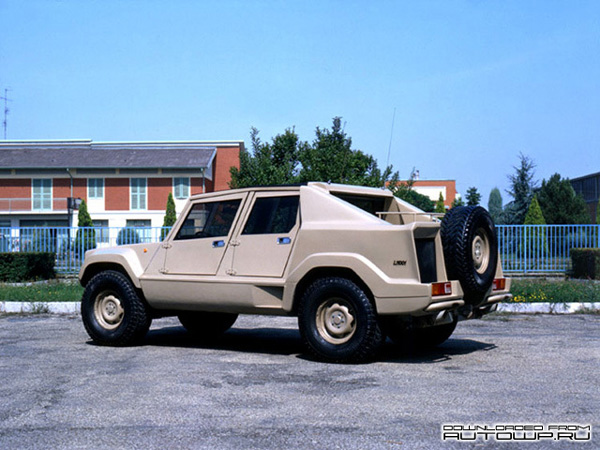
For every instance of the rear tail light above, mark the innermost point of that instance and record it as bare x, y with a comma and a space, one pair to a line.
499, 284
438, 289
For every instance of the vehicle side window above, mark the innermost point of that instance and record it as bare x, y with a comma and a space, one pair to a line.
272, 215
209, 220
372, 205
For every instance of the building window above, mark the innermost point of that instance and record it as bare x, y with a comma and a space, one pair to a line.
181, 187
138, 193
42, 194
101, 228
141, 228
96, 188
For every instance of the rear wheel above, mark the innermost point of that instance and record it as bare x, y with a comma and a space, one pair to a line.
112, 312
337, 321
206, 325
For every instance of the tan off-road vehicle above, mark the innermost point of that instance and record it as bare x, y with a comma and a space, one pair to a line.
354, 264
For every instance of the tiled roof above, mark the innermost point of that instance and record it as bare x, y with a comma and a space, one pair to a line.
87, 154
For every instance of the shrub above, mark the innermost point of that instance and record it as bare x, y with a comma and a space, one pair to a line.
170, 217
128, 236
586, 263
535, 240
86, 235
16, 267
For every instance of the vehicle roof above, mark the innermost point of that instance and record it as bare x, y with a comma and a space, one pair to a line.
330, 187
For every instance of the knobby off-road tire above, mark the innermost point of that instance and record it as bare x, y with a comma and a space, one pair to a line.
206, 325
419, 338
112, 312
337, 321
470, 250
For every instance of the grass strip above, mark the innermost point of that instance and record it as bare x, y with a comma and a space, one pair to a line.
555, 291
41, 292
524, 291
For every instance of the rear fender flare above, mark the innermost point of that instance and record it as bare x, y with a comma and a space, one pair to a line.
368, 273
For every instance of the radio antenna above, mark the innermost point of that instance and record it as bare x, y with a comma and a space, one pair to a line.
6, 110
387, 164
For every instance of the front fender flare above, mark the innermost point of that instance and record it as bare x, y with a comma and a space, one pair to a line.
123, 257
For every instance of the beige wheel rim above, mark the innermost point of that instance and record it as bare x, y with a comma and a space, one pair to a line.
481, 251
108, 310
335, 321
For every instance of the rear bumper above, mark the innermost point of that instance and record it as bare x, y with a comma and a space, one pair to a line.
421, 305
425, 305
497, 298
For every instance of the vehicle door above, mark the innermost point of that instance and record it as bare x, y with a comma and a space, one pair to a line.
201, 241
264, 242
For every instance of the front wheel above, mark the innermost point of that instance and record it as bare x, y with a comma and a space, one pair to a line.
337, 321
112, 312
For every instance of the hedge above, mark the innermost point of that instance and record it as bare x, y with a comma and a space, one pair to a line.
586, 263
27, 266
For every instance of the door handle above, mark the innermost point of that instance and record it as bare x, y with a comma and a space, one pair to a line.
217, 244
284, 241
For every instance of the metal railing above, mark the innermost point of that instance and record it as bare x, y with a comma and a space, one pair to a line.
70, 244
543, 248
523, 248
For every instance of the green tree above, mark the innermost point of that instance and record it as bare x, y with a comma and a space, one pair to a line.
535, 237
86, 235
170, 217
560, 204
473, 196
287, 160
534, 214
268, 164
495, 205
458, 201
331, 158
522, 186
439, 205
421, 201
404, 190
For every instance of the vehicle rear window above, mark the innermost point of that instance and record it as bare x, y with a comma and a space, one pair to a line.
372, 205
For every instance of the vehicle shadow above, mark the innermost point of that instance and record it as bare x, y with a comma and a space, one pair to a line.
274, 341
391, 352
285, 341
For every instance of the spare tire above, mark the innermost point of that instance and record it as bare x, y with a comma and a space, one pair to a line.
470, 250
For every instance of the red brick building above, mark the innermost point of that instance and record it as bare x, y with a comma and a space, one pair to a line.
433, 189
123, 183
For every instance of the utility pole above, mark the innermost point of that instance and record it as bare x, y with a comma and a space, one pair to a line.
6, 100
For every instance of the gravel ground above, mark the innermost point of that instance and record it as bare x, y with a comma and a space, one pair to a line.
256, 388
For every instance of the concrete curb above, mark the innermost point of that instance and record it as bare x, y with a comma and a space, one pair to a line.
70, 308
40, 307
548, 308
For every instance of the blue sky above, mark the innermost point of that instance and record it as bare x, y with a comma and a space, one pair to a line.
474, 83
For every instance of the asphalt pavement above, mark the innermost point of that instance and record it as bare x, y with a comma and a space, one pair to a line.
257, 388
